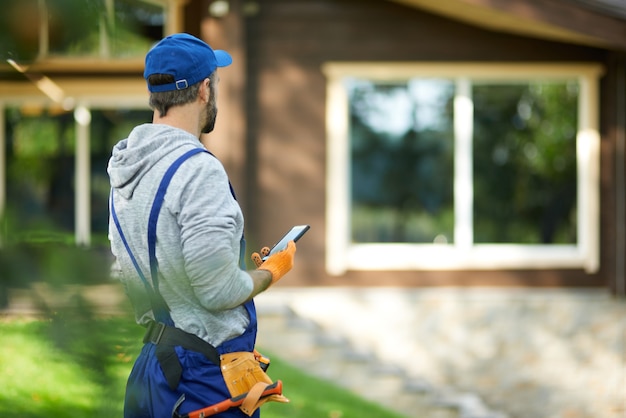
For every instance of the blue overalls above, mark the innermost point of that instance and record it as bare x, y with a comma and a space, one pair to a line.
149, 392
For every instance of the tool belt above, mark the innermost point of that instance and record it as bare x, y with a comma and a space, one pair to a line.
242, 371
165, 338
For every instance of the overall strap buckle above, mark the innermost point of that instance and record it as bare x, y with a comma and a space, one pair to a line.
154, 333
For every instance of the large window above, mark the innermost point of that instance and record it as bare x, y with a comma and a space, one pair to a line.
462, 166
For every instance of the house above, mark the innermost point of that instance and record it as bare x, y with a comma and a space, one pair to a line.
448, 143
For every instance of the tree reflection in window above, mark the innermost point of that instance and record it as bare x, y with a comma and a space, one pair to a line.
40, 150
525, 163
402, 161
36, 29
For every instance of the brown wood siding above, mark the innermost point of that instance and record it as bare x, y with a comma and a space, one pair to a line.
288, 41
612, 105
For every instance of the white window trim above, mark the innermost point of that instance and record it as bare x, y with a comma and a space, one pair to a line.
342, 255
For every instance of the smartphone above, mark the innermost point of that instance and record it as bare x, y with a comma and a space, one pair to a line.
293, 235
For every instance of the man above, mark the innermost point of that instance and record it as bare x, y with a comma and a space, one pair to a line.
176, 232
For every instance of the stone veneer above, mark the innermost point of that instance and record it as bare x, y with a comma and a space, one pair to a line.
527, 353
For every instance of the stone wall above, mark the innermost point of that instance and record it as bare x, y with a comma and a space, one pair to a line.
527, 353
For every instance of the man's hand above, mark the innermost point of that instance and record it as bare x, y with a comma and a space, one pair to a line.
277, 264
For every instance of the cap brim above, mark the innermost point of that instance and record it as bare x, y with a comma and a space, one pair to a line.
223, 58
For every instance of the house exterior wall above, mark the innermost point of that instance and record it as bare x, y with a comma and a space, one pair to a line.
271, 133
284, 167
613, 189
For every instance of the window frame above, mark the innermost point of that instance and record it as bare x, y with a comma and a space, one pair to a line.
463, 253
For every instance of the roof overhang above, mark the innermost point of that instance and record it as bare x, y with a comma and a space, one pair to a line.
106, 92
555, 20
66, 82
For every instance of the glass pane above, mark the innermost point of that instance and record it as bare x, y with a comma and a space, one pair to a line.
138, 25
401, 160
525, 163
73, 27
40, 171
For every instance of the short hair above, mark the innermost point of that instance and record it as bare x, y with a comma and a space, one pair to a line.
163, 101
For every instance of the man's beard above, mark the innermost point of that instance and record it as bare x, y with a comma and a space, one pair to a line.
210, 115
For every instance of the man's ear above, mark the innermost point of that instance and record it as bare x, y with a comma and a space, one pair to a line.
205, 90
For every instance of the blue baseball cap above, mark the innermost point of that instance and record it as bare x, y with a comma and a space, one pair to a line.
186, 58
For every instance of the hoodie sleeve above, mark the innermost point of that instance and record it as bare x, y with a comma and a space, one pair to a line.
211, 224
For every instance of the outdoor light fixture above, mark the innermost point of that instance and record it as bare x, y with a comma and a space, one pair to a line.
219, 8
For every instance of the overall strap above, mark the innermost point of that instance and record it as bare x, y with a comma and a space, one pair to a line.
156, 209
158, 304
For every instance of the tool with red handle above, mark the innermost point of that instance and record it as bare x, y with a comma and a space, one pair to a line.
275, 388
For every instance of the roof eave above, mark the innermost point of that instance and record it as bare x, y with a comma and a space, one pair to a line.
555, 20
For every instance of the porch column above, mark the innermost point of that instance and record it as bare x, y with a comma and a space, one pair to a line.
82, 169
620, 177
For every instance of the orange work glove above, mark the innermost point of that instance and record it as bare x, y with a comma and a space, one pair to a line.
278, 264
258, 258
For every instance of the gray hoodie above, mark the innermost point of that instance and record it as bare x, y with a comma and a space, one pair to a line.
198, 233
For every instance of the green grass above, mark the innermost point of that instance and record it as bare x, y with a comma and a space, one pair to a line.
72, 366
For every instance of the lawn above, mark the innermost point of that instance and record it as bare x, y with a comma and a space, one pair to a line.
74, 366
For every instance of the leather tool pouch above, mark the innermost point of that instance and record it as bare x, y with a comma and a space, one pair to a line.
243, 374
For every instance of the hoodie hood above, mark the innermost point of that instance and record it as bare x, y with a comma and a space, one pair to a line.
146, 145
